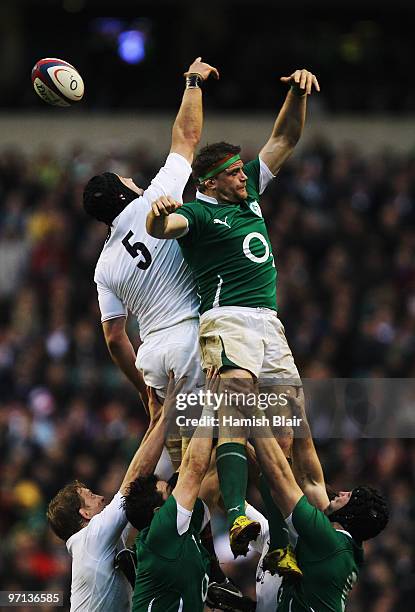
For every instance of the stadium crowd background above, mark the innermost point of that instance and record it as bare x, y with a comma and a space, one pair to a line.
361, 50
343, 230
342, 224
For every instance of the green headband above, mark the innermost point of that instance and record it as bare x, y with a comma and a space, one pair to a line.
218, 169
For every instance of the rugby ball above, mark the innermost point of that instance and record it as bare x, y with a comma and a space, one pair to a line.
57, 82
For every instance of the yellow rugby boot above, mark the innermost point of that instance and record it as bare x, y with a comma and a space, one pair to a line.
241, 533
281, 561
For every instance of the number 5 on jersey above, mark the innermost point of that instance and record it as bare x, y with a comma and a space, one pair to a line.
137, 248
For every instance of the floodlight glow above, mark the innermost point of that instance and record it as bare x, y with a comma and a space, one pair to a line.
131, 46
108, 26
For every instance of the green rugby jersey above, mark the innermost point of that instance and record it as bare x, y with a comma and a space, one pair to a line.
229, 250
172, 569
329, 559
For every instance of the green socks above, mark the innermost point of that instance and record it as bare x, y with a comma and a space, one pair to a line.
277, 527
232, 466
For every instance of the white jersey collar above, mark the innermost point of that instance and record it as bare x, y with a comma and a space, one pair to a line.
345, 532
205, 198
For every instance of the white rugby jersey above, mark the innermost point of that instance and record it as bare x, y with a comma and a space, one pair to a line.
266, 585
96, 585
140, 273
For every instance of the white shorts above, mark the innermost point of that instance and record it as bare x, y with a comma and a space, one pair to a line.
174, 348
249, 338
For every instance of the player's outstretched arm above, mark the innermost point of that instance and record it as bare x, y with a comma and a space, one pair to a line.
147, 455
197, 457
289, 124
187, 127
123, 355
162, 222
284, 488
306, 464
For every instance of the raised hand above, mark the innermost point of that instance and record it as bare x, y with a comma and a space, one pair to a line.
205, 70
174, 387
303, 81
212, 380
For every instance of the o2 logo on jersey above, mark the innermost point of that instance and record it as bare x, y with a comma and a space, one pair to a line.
247, 250
137, 248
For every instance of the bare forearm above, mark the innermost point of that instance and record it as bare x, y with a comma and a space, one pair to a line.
164, 224
306, 464
148, 454
276, 468
291, 118
199, 451
187, 128
193, 469
289, 124
271, 457
153, 422
286, 132
198, 454
123, 355
156, 226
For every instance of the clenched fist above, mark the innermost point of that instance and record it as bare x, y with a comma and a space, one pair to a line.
164, 206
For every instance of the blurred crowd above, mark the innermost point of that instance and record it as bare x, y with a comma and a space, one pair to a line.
343, 231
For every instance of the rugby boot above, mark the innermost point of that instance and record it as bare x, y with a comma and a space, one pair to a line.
241, 533
281, 561
226, 596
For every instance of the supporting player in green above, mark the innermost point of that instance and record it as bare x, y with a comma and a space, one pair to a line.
330, 561
327, 535
172, 569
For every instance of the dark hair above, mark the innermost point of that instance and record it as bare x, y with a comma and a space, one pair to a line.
209, 156
365, 515
63, 510
105, 196
141, 500
331, 492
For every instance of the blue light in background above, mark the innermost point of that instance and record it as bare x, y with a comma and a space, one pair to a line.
131, 46
107, 26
